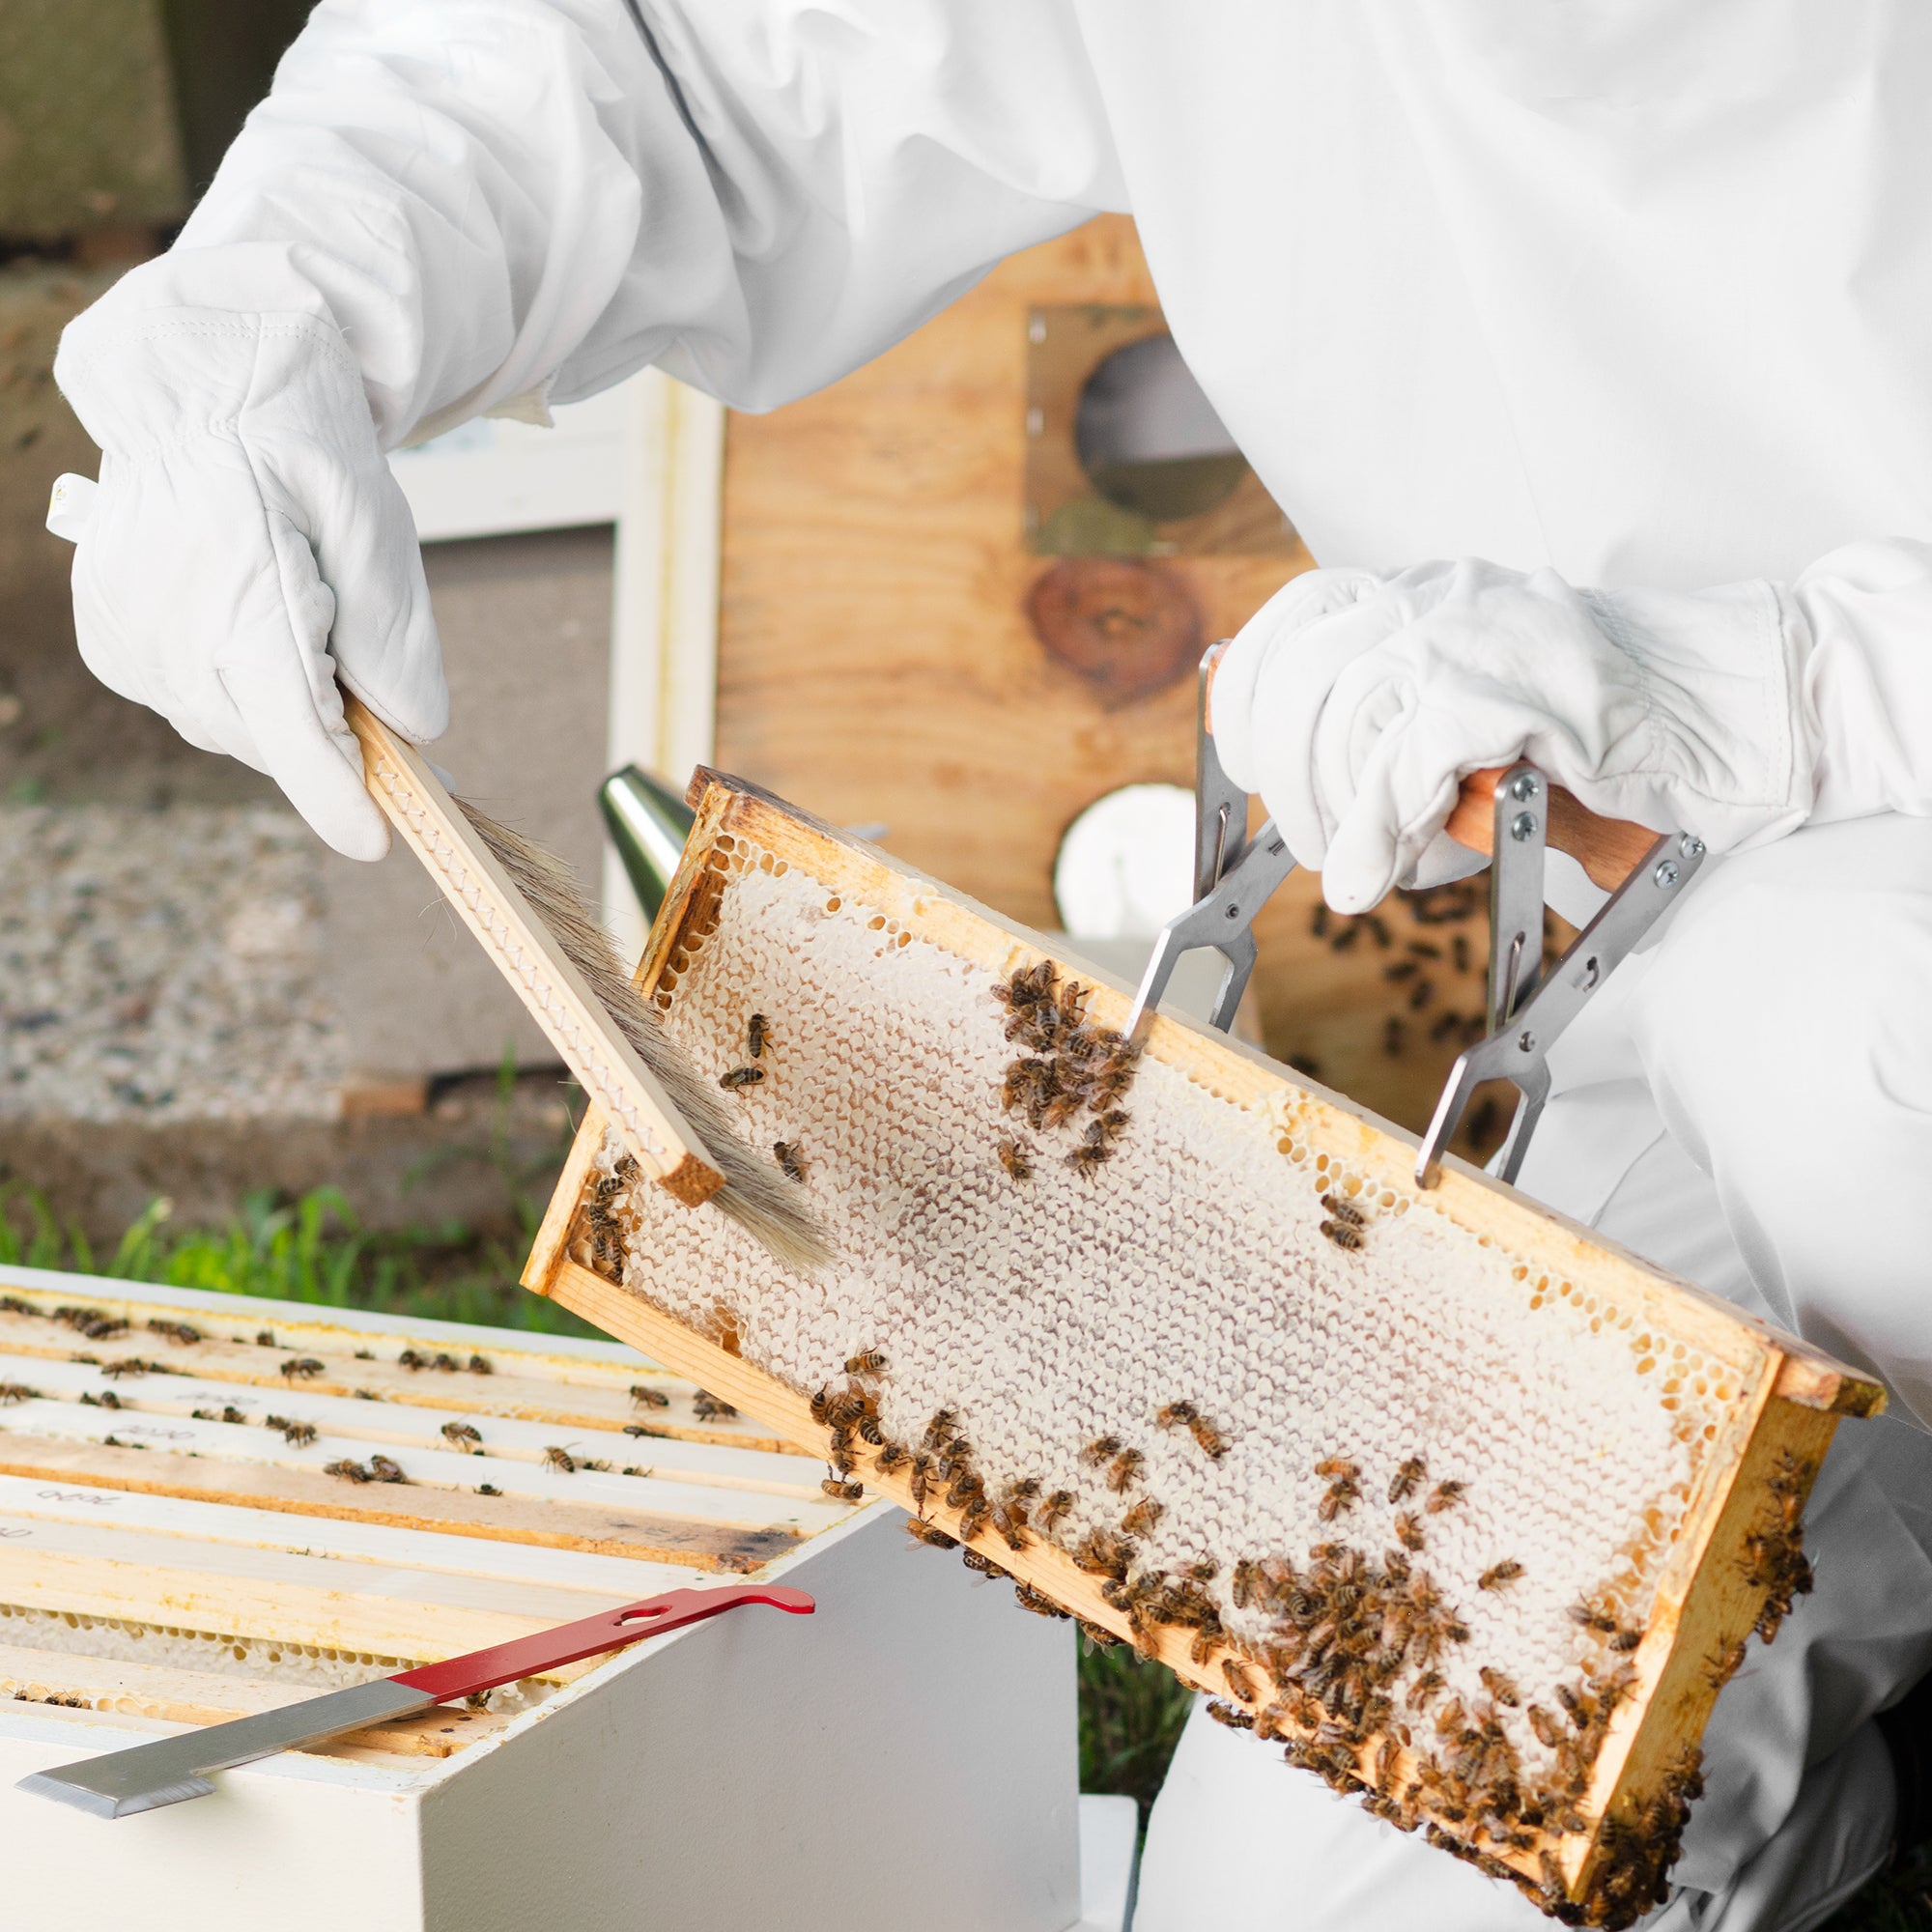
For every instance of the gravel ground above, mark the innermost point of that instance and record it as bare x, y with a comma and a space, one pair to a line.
162, 966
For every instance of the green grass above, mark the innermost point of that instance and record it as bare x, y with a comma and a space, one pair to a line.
315, 1249
1130, 1719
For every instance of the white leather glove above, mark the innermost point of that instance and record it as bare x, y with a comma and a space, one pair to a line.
1353, 703
249, 547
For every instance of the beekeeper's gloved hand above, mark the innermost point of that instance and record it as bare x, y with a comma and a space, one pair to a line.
1353, 703
249, 547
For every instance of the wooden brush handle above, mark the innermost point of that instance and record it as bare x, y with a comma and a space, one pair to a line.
1607, 848
509, 930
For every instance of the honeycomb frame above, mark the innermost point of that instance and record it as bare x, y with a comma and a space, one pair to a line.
1772, 1400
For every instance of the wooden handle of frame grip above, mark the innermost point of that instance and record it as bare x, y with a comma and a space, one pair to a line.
1607, 848
524, 951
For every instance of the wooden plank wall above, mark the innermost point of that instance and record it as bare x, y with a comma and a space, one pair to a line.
877, 664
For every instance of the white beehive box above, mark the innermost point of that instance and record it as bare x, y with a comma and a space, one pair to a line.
160, 1569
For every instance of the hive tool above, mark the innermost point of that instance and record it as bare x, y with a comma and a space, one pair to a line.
169, 1769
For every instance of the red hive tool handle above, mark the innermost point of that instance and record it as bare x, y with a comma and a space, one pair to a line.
651, 1616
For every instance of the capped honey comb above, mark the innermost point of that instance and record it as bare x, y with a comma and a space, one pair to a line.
1467, 1512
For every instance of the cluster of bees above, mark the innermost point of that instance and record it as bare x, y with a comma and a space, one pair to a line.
1773, 1553
1068, 1066
758, 1032
1349, 1676
477, 1364
378, 1470
600, 1219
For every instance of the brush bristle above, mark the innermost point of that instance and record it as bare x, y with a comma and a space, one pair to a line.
754, 1194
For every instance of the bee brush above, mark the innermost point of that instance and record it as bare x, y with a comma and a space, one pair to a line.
531, 917
528, 912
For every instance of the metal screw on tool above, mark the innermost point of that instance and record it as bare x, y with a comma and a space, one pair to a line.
1691, 846
1232, 911
1523, 826
1666, 874
1526, 1041
1523, 787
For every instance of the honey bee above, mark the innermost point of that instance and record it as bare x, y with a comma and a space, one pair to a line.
1100, 1450
964, 1488
973, 1518
922, 1531
1498, 1577
349, 1470
708, 1408
464, 1434
1408, 1532
1343, 1493
1086, 1160
1240, 1681
230, 1413
649, 1398
1015, 1158
985, 1565
1444, 1495
1723, 1664
488, 1489
922, 1478
868, 1362
1040, 1605
1426, 1686
1548, 1730
755, 1033
1047, 1517
1626, 1641
12, 1392
1593, 1619
1408, 1479
481, 1365
1345, 1212
1126, 1466
303, 1368
1177, 1415
741, 1077
561, 1459
894, 1456
299, 1435
1343, 1235
1338, 1469
1101, 1553
1242, 1590
383, 1470
790, 1163
849, 1492
1578, 1709
1110, 1124
1142, 1516
1499, 1686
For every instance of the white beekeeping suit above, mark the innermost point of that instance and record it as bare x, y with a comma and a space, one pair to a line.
1621, 310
